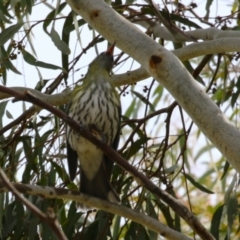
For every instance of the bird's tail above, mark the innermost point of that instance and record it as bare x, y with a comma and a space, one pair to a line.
99, 186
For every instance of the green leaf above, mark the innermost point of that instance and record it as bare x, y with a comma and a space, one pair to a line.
184, 21
203, 150
30, 59
133, 126
151, 211
2, 207
116, 226
225, 169
29, 4
62, 172
207, 7
6, 62
51, 15
158, 93
232, 210
72, 219
130, 109
8, 33
19, 216
3, 18
136, 231
135, 147
3, 105
70, 27
47, 232
28, 149
32, 229
144, 100
166, 213
5, 9
9, 115
65, 38
10, 220
198, 185
61, 45
216, 221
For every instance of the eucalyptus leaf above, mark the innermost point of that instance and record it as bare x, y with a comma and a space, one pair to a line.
61, 45
9, 32
198, 185
30, 59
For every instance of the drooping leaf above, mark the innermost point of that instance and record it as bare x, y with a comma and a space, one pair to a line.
9, 32
3, 105
144, 100
61, 45
207, 7
6, 61
134, 147
50, 17
30, 59
9, 115
232, 210
225, 169
198, 185
216, 221
4, 7
136, 231
32, 229
65, 38
29, 5
70, 27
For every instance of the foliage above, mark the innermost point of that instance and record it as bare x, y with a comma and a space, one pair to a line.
165, 145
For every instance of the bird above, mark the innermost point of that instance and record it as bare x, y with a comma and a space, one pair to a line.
95, 105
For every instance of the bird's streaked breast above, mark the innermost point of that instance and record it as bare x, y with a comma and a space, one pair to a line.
95, 106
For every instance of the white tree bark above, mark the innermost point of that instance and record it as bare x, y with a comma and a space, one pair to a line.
160, 31
55, 193
168, 70
204, 34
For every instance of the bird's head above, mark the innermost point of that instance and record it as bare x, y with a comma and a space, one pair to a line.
104, 61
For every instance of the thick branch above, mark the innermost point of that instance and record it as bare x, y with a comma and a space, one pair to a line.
56, 99
203, 34
198, 34
168, 70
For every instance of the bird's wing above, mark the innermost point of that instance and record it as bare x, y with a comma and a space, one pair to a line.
72, 158
108, 162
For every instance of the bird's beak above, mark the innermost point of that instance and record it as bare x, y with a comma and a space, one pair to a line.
111, 49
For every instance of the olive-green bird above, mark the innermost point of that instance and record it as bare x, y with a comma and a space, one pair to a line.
95, 105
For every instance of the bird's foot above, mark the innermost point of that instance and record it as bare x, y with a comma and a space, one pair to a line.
97, 134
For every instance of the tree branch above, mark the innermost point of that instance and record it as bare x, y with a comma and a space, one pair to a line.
168, 71
203, 34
